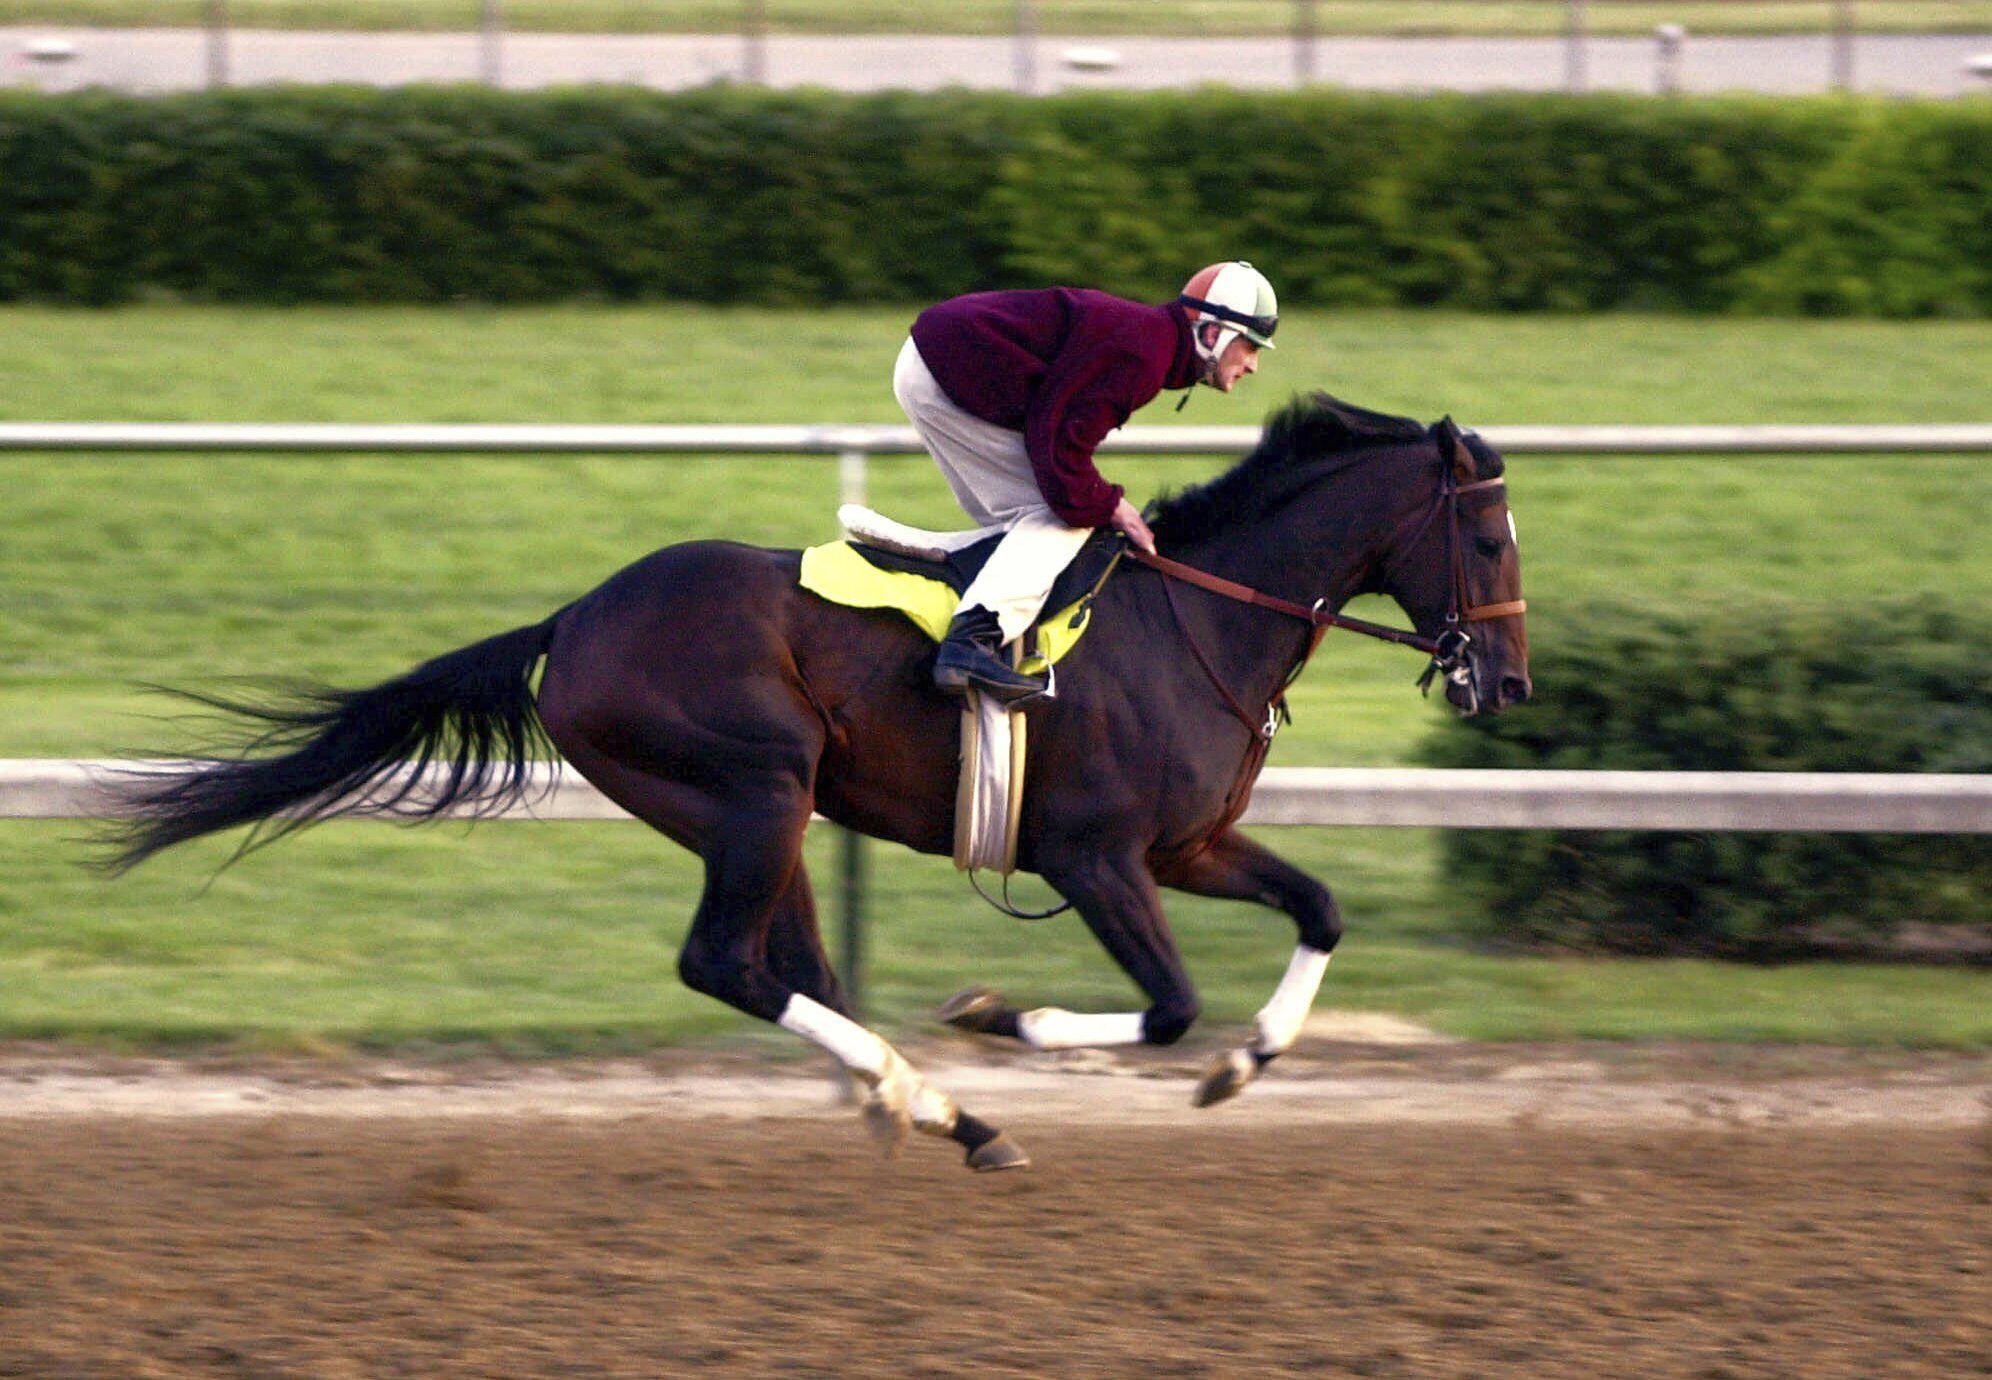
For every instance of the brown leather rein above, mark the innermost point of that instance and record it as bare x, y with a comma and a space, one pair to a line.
1245, 594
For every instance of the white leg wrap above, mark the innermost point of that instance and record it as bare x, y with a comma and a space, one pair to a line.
857, 1048
895, 1083
1281, 1018
1050, 1028
933, 1111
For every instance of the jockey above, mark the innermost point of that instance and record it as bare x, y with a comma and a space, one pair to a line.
1011, 392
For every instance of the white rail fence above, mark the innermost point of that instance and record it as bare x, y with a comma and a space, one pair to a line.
339, 438
1822, 802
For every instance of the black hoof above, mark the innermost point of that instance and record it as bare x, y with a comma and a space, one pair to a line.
1000, 1153
980, 1010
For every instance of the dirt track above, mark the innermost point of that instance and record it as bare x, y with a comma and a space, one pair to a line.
1707, 1224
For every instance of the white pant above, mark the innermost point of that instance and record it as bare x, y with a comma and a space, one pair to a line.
990, 472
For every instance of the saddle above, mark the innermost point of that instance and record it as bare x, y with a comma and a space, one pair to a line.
922, 574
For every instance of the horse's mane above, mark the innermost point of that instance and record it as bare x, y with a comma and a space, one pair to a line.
1298, 439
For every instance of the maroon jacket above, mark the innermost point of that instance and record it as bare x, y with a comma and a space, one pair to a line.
1062, 365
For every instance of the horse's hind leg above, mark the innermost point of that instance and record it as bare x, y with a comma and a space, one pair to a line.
795, 946
900, 1097
754, 942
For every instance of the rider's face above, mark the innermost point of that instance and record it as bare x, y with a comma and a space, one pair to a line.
1240, 357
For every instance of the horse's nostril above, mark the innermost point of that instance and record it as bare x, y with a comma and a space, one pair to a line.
1515, 689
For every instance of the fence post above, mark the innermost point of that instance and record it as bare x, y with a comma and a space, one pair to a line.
1843, 45
851, 844
754, 41
1574, 39
217, 43
491, 42
1303, 42
1026, 48
1667, 39
851, 958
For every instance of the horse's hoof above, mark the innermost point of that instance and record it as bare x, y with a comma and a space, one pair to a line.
1226, 1077
972, 1009
1000, 1153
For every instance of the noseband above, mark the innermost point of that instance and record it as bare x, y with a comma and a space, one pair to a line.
1448, 651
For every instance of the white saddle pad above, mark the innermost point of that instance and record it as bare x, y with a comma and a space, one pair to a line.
876, 529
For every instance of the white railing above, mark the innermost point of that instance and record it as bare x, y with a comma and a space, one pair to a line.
340, 438
1823, 802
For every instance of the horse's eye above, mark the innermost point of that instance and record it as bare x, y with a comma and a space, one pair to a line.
1490, 547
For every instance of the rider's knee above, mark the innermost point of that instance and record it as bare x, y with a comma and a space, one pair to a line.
1167, 1023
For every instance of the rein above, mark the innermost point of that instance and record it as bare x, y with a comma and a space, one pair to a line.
1245, 594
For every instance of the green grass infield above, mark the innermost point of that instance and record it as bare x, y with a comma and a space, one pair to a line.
548, 938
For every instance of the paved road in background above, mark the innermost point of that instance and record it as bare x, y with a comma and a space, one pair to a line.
174, 59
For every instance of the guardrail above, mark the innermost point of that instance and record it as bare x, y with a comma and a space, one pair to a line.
1811, 802
1388, 798
340, 438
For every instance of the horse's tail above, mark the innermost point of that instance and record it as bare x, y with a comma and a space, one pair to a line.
461, 729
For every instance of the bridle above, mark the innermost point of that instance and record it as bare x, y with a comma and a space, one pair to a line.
1449, 650
1449, 655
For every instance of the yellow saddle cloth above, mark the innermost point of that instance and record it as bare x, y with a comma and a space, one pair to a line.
844, 574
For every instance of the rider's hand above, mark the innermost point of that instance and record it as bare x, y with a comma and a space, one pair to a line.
1128, 519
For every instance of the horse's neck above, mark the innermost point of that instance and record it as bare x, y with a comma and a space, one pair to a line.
1305, 553
1294, 557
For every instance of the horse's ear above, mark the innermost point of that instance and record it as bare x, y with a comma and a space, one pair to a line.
1453, 449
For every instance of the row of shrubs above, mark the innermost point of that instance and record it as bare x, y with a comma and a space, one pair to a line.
1903, 688
1826, 205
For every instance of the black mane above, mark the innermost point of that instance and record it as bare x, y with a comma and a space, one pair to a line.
1309, 430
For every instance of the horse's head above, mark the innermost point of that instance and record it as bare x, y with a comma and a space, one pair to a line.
1454, 565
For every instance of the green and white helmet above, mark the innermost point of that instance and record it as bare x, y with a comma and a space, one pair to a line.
1228, 300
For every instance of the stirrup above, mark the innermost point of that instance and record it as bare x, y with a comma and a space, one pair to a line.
1017, 691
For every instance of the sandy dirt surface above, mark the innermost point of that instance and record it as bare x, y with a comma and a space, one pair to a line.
1429, 1212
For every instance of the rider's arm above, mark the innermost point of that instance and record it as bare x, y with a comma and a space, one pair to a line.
1078, 402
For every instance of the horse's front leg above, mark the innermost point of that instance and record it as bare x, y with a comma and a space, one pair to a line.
1237, 869
1119, 902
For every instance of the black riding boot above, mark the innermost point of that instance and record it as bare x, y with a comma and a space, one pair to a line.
972, 659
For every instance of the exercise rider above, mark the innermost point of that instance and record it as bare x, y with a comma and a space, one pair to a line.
1012, 391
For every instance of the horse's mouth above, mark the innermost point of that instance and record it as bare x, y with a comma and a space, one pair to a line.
1463, 693
1464, 698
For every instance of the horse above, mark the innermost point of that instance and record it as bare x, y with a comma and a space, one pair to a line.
706, 693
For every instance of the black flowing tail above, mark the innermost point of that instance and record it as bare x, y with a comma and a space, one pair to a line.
462, 729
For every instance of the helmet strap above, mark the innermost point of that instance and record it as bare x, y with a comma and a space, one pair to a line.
1210, 347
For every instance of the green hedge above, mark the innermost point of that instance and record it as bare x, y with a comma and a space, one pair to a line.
1886, 689
1506, 202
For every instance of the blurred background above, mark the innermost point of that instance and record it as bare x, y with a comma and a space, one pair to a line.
750, 252
1540, 213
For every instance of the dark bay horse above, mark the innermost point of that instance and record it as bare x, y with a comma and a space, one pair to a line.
706, 693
